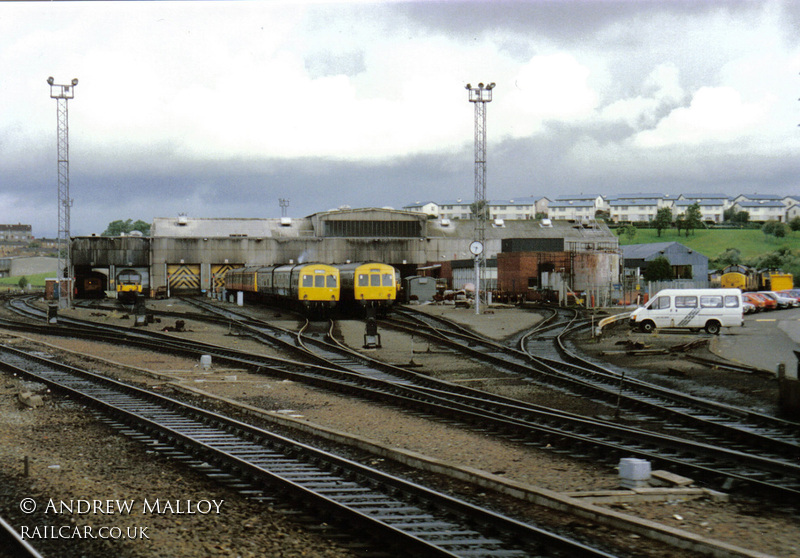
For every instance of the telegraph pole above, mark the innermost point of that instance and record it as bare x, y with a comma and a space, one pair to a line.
480, 95
62, 94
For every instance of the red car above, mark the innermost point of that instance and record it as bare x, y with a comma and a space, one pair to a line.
770, 303
756, 301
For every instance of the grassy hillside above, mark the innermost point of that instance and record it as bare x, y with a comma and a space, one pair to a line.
35, 281
712, 242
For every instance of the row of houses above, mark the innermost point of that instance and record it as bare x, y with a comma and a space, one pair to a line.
638, 207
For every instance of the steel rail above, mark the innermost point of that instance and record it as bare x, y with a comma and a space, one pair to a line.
412, 519
524, 422
13, 543
780, 438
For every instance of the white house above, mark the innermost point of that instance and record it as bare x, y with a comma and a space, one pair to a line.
622, 210
455, 209
518, 208
428, 208
711, 210
597, 200
762, 210
571, 209
660, 200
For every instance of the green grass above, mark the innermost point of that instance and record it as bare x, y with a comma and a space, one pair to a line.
35, 280
712, 242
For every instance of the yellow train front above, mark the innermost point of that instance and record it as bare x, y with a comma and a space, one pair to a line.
367, 285
312, 288
748, 279
129, 285
739, 277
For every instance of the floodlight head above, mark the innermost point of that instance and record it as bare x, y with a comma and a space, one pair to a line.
469, 85
480, 85
50, 80
75, 82
490, 86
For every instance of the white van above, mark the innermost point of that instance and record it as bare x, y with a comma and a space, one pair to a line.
690, 309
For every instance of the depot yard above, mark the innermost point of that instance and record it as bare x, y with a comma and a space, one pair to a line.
247, 530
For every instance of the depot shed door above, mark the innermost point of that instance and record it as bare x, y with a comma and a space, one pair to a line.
184, 279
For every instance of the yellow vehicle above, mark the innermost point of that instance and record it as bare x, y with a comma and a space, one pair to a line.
129, 285
311, 287
368, 284
739, 277
776, 280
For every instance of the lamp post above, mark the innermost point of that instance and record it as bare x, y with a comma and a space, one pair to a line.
480, 95
62, 94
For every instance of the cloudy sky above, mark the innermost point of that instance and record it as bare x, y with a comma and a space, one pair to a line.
221, 109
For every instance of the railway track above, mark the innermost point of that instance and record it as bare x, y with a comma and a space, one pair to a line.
408, 518
531, 425
13, 544
701, 419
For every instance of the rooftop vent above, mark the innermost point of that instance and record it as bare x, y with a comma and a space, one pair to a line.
499, 223
445, 222
183, 220
286, 221
547, 223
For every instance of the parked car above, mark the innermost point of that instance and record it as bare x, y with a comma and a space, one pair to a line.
782, 301
793, 293
748, 308
769, 303
756, 301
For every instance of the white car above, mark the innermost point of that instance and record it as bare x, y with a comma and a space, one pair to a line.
783, 301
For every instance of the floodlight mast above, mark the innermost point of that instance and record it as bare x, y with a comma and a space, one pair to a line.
480, 95
62, 94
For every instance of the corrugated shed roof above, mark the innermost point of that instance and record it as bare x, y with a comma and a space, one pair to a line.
213, 227
644, 251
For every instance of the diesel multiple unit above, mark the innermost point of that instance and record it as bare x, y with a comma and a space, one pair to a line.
315, 287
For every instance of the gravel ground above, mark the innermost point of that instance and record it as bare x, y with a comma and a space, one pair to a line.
58, 434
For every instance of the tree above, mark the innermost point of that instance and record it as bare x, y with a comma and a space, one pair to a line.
730, 215
742, 218
731, 256
693, 218
794, 224
680, 223
658, 269
663, 219
628, 230
119, 228
477, 206
774, 228
23, 282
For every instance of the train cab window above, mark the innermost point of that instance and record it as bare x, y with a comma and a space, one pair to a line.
308, 280
319, 280
363, 280
731, 302
374, 280
685, 302
388, 279
330, 281
660, 303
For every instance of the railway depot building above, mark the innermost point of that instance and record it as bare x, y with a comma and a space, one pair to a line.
187, 255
